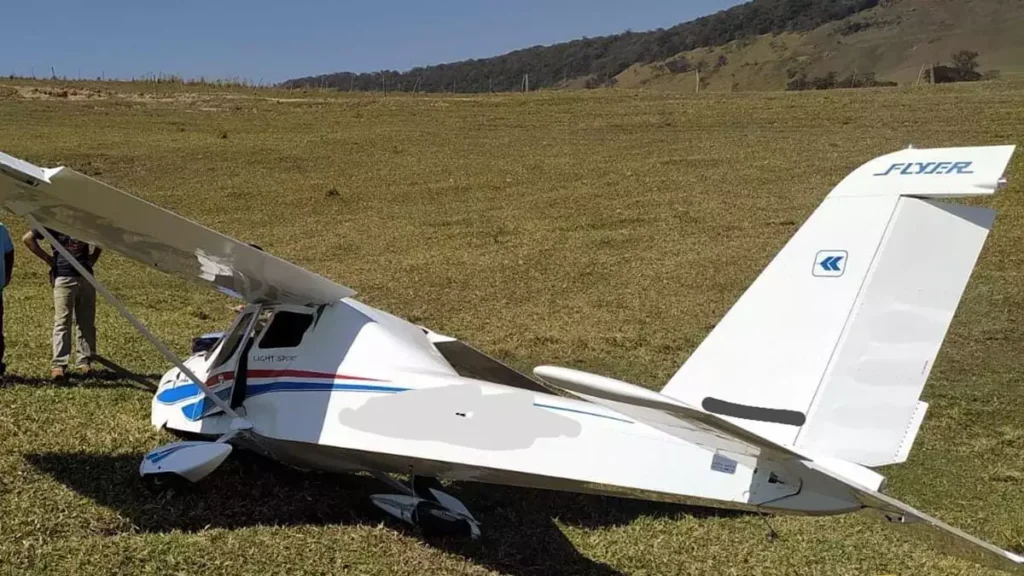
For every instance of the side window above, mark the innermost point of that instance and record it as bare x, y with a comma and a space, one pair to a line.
286, 329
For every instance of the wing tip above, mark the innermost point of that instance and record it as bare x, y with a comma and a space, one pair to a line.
21, 170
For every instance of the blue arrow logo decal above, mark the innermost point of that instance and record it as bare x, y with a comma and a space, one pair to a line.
831, 264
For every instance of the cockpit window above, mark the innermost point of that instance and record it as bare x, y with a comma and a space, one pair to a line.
286, 329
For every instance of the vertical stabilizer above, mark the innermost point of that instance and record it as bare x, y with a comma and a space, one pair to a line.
831, 345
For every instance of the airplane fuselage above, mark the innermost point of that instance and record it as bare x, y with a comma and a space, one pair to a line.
352, 388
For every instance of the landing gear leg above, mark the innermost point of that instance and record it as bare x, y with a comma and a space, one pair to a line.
772, 534
424, 505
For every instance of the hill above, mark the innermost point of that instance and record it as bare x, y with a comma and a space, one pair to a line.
598, 60
893, 41
755, 46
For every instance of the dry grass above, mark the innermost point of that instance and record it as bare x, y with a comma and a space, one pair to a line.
604, 230
898, 39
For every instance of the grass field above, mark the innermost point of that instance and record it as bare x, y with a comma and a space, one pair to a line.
607, 231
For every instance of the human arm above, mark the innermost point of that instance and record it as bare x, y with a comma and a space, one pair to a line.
95, 255
33, 246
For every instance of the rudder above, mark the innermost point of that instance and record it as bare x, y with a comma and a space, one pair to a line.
867, 409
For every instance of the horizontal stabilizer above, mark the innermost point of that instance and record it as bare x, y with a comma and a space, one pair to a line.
857, 483
931, 531
77, 205
667, 414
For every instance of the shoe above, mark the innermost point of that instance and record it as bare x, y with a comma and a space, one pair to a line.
57, 374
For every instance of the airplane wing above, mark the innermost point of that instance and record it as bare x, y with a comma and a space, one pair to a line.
80, 206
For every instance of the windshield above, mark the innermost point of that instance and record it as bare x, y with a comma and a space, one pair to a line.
230, 341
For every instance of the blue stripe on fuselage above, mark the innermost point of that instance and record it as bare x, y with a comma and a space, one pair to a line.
194, 411
300, 386
178, 393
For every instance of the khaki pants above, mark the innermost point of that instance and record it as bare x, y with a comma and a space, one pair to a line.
73, 298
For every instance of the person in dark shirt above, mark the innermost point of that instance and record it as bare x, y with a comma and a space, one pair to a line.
73, 297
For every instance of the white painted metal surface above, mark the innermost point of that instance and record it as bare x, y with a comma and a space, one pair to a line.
930, 173
192, 461
865, 409
768, 358
86, 208
756, 418
771, 349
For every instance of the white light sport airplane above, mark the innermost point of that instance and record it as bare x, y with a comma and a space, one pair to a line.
812, 379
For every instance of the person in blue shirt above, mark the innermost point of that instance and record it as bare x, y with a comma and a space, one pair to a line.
7, 247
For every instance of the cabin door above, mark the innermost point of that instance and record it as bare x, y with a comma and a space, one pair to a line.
228, 361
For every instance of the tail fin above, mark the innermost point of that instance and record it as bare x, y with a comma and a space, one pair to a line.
830, 347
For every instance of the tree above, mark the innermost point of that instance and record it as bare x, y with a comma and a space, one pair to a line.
966, 63
679, 65
964, 69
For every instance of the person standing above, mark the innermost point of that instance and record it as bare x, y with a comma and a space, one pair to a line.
7, 247
73, 297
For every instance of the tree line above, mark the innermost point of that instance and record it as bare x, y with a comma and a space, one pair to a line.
597, 59
831, 80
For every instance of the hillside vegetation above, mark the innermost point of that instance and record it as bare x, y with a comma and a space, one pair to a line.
897, 41
761, 45
606, 230
598, 60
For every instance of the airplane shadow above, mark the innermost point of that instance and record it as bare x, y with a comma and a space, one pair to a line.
116, 372
520, 533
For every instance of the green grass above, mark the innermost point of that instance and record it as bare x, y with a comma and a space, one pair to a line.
590, 229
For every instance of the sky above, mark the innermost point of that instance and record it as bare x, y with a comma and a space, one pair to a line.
266, 41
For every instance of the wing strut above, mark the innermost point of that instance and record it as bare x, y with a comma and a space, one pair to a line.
238, 424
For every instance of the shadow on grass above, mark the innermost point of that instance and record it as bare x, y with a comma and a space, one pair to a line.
520, 534
114, 371
111, 375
